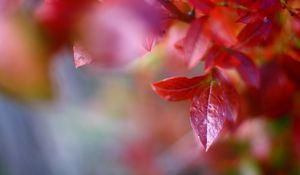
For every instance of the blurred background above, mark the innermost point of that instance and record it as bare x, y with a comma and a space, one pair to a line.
100, 123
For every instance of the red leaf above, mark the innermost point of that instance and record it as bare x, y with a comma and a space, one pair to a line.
248, 17
295, 25
269, 7
214, 56
292, 68
245, 66
204, 6
207, 114
58, 17
296, 134
274, 82
254, 33
228, 58
174, 11
195, 42
221, 28
179, 88
262, 8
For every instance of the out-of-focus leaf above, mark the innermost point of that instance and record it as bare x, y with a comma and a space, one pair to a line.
296, 134
149, 42
106, 44
174, 9
255, 33
292, 68
221, 28
195, 43
248, 17
179, 88
214, 56
174, 57
207, 114
58, 18
245, 66
257, 9
274, 82
229, 58
295, 25
204, 6
269, 7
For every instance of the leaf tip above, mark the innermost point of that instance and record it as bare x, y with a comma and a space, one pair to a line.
153, 87
81, 61
81, 56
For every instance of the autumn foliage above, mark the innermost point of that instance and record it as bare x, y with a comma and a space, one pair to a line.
252, 38
250, 51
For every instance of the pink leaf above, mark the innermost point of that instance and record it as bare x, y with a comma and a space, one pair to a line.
207, 114
81, 57
149, 42
118, 42
179, 88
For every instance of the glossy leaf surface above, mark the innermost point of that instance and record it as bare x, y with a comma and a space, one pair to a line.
208, 113
179, 88
230, 95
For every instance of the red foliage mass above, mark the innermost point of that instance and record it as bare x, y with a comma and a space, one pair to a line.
220, 42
